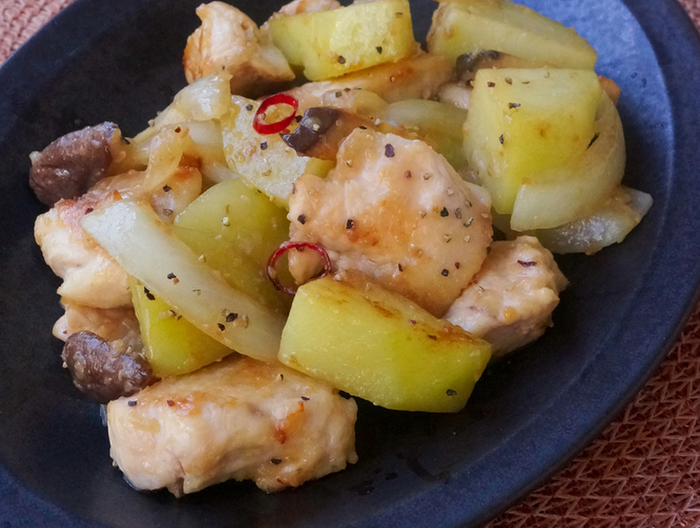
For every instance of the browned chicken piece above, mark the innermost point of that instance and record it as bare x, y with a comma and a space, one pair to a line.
418, 77
395, 210
511, 300
73, 163
111, 324
237, 419
228, 40
90, 276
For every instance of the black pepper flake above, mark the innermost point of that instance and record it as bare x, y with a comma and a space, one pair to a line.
167, 188
276, 461
89, 210
408, 175
172, 276
445, 272
593, 140
389, 150
379, 49
451, 392
231, 317
350, 223
221, 327
132, 403
500, 139
433, 337
509, 80
305, 398
526, 82
412, 321
457, 265
149, 295
249, 107
363, 127
341, 59
513, 105
302, 219
167, 212
170, 403
444, 212
490, 84
458, 213
526, 263
400, 267
263, 145
298, 118
178, 130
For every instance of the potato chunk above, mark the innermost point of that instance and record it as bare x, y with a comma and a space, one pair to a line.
470, 26
378, 345
332, 43
228, 40
523, 123
172, 344
237, 419
234, 229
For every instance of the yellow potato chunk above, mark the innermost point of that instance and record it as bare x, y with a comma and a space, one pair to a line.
380, 346
264, 161
235, 229
522, 124
328, 44
470, 26
172, 345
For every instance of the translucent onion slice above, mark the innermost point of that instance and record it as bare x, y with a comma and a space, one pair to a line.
580, 188
140, 243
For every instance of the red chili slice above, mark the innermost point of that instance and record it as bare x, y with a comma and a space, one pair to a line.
286, 246
261, 127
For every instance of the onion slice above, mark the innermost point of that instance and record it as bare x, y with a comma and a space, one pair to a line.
141, 244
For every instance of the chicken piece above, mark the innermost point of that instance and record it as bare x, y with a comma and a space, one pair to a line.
298, 7
239, 419
417, 77
510, 302
90, 276
113, 324
395, 210
73, 163
229, 40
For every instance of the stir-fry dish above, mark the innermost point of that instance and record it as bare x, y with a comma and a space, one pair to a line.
312, 219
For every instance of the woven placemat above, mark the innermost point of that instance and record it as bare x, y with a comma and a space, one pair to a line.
643, 471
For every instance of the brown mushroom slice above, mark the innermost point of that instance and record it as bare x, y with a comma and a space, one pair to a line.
104, 370
73, 163
322, 129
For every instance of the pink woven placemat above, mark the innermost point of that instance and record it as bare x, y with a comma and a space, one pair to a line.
643, 471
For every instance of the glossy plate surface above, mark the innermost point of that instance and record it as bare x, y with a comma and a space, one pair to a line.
120, 60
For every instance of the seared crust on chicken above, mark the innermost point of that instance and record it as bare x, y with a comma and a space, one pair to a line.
395, 210
510, 302
239, 419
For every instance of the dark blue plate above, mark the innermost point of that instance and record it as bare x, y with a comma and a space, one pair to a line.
120, 60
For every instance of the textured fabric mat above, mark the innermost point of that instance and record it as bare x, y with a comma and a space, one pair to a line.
643, 471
